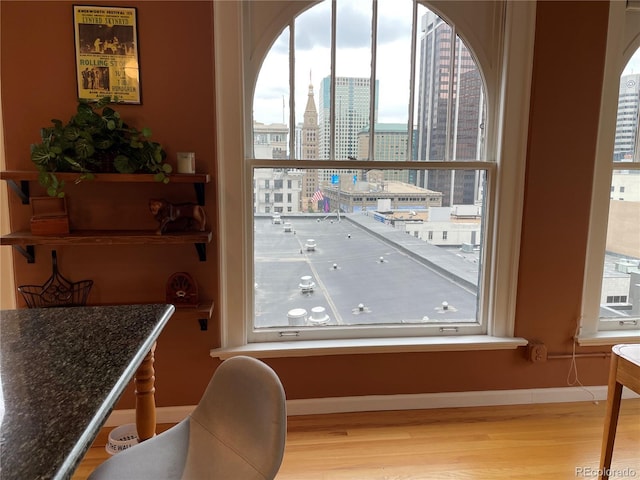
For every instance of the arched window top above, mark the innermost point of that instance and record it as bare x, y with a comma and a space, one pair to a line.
365, 65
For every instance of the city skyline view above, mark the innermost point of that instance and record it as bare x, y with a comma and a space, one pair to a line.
442, 207
271, 100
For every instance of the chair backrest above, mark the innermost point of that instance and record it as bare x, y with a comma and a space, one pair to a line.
244, 407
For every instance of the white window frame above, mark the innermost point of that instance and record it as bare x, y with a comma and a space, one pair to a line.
239, 28
623, 39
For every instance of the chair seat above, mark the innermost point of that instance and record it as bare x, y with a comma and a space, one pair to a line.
237, 432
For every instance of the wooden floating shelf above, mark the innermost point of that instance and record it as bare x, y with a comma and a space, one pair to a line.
24, 242
23, 177
202, 312
108, 177
105, 237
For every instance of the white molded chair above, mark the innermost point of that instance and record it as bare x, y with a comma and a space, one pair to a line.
237, 432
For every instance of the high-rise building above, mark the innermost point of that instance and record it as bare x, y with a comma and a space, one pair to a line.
309, 133
309, 150
389, 144
352, 111
450, 112
627, 143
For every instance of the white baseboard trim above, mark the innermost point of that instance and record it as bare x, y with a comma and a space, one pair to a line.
368, 403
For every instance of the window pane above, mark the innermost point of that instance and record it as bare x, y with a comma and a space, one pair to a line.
451, 105
353, 80
312, 63
393, 59
367, 249
620, 297
468, 109
620, 293
271, 103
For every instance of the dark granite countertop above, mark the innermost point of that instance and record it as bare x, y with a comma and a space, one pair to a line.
61, 372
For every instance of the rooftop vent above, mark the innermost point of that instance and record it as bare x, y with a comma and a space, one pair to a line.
446, 308
297, 316
361, 308
318, 316
626, 266
467, 247
306, 284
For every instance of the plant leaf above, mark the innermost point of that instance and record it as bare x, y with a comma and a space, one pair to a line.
40, 155
71, 133
123, 165
84, 149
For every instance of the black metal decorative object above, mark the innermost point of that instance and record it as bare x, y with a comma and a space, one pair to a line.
57, 291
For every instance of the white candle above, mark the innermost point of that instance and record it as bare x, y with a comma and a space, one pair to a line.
186, 162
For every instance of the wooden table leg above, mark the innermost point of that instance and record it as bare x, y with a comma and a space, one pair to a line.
614, 395
145, 400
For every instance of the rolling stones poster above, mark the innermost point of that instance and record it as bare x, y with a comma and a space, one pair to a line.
107, 53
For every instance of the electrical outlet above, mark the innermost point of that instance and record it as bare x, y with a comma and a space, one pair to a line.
537, 352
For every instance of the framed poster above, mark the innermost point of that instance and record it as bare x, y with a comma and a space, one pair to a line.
107, 53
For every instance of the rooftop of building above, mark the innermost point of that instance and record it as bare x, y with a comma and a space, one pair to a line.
358, 260
387, 128
364, 272
387, 186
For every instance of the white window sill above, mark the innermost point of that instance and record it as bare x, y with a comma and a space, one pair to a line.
308, 348
610, 338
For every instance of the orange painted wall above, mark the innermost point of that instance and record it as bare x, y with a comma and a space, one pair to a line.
38, 84
176, 57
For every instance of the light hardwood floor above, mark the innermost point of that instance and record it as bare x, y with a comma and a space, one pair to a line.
549, 441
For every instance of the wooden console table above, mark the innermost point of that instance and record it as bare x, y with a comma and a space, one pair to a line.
624, 372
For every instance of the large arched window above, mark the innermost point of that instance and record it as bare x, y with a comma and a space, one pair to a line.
611, 305
376, 142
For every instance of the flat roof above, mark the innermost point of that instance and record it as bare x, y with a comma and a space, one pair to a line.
390, 186
396, 277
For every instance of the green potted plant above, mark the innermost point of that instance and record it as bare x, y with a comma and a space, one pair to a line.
96, 140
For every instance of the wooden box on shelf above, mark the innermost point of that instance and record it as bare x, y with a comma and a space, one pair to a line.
50, 216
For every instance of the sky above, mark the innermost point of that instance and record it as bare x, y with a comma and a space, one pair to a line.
312, 58
634, 64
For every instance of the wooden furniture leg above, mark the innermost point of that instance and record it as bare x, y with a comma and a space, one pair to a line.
145, 399
624, 372
614, 395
